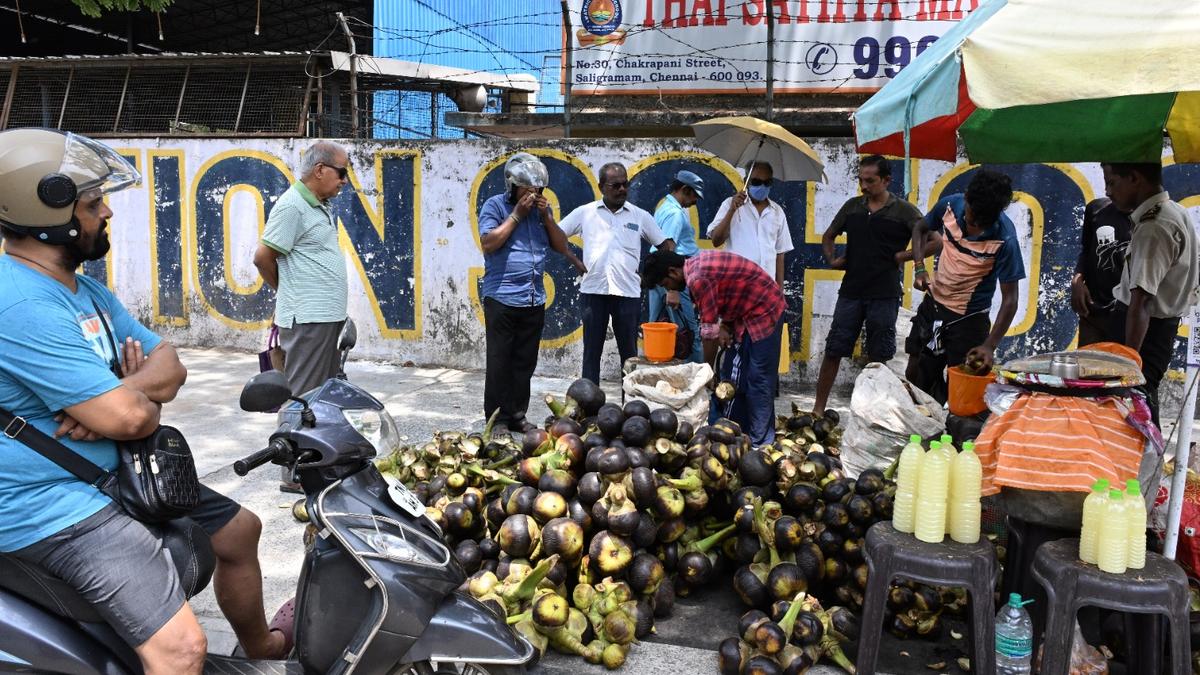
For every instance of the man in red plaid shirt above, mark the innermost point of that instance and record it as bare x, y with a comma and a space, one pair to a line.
739, 304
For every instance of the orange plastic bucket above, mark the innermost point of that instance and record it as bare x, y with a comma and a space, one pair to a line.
966, 392
658, 341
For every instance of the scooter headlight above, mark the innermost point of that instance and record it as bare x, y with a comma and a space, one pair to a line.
377, 426
392, 546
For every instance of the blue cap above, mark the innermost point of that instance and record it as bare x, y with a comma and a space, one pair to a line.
693, 181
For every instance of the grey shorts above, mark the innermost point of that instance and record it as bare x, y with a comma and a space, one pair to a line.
122, 569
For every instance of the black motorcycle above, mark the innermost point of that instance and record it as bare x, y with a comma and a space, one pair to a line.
377, 594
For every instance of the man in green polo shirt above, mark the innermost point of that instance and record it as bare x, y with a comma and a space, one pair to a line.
299, 257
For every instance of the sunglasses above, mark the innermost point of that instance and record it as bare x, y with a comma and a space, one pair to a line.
760, 181
618, 186
341, 170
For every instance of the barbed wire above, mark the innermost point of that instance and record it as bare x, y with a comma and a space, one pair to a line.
874, 58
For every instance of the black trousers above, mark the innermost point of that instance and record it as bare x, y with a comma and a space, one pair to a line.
514, 335
958, 335
597, 309
1157, 349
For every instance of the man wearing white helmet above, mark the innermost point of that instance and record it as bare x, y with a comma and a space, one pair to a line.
79, 367
515, 230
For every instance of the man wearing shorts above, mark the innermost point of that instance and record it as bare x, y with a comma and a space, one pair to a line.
979, 251
60, 375
878, 227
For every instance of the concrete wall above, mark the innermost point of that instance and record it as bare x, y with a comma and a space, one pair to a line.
183, 240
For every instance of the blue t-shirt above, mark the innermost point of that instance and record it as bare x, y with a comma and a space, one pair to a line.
673, 220
56, 354
512, 274
969, 266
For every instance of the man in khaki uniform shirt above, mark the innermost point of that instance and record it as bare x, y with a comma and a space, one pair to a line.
1162, 272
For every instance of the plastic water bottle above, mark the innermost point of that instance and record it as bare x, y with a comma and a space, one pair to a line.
932, 496
966, 478
905, 504
1014, 638
947, 448
1093, 513
1112, 546
1135, 512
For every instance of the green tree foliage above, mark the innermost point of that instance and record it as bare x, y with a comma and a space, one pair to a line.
94, 8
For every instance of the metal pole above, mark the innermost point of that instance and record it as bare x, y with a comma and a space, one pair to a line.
62, 112
302, 123
353, 76
433, 114
1183, 449
187, 72
237, 121
568, 74
121, 105
770, 60
320, 107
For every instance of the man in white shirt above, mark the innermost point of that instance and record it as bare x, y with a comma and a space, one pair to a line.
752, 226
612, 231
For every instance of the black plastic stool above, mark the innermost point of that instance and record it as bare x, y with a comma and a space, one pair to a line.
893, 554
1159, 588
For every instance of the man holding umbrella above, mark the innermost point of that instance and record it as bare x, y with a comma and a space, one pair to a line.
752, 226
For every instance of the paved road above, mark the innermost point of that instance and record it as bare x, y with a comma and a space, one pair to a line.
421, 400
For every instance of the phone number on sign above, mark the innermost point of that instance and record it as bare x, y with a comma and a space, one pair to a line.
898, 51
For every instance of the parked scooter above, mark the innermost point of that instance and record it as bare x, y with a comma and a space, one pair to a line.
377, 591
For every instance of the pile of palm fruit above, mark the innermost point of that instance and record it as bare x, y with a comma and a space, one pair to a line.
583, 532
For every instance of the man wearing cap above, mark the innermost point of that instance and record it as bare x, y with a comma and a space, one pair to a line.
739, 305
672, 217
515, 230
612, 231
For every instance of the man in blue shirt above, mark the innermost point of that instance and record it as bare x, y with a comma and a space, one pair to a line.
79, 367
515, 230
979, 250
672, 217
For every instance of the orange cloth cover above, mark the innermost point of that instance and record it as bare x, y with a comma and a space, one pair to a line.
1058, 444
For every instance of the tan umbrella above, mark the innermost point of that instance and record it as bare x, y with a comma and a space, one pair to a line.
741, 140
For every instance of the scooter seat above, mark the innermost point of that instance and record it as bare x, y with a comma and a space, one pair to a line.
190, 548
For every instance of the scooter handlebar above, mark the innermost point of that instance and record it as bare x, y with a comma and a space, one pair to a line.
247, 464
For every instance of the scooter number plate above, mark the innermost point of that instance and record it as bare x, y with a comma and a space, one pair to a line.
405, 499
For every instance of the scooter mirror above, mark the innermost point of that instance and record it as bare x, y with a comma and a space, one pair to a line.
265, 392
349, 336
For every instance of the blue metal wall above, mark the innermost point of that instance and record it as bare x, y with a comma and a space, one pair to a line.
502, 36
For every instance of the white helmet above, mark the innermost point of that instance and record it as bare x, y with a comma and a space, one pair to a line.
45, 171
525, 170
